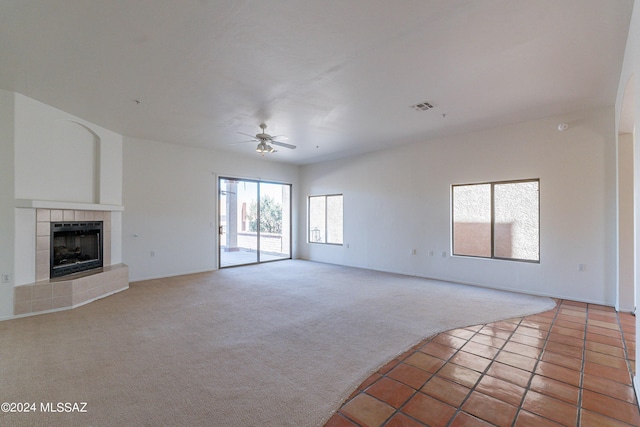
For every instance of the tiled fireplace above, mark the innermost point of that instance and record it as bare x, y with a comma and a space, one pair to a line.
48, 294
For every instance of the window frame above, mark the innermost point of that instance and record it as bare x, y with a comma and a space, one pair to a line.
492, 185
326, 228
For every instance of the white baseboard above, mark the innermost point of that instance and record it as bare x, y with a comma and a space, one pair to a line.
166, 276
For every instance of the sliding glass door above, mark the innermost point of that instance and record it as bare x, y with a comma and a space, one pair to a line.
254, 220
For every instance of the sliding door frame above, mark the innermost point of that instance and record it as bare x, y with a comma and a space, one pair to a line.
258, 182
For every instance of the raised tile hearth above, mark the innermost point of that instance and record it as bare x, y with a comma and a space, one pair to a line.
47, 295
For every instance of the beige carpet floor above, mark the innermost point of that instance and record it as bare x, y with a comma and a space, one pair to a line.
277, 344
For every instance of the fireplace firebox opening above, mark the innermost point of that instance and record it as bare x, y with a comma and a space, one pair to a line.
75, 247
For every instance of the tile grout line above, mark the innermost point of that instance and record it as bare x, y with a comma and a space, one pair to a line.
396, 410
627, 363
493, 360
457, 350
582, 365
473, 388
535, 366
625, 349
416, 391
484, 372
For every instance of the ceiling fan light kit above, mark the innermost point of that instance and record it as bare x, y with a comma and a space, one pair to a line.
263, 147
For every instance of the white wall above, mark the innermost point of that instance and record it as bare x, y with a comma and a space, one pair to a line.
170, 198
25, 246
6, 202
626, 295
631, 69
396, 200
48, 140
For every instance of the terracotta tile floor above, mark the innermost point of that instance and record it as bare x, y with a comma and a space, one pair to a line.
570, 366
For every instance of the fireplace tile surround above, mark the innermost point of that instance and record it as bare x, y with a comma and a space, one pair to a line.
64, 293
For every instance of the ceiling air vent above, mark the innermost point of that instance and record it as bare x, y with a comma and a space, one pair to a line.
423, 106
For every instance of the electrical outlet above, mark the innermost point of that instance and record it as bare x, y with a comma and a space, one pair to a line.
6, 277
153, 253
430, 253
582, 267
444, 254
413, 251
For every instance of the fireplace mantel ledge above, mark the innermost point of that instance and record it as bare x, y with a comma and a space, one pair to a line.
48, 204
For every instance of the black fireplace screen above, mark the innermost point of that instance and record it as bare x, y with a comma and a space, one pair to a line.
75, 247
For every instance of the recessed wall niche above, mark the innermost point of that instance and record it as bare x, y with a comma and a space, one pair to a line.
75, 162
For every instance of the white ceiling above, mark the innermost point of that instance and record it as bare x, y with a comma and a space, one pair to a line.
338, 77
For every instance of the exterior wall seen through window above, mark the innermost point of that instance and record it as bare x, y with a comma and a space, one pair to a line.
497, 220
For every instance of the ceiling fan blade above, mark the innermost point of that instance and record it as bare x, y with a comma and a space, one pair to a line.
283, 144
242, 142
246, 134
285, 137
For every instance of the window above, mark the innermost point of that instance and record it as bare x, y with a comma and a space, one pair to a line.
325, 219
497, 220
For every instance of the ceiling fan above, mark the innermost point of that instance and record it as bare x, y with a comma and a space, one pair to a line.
265, 141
